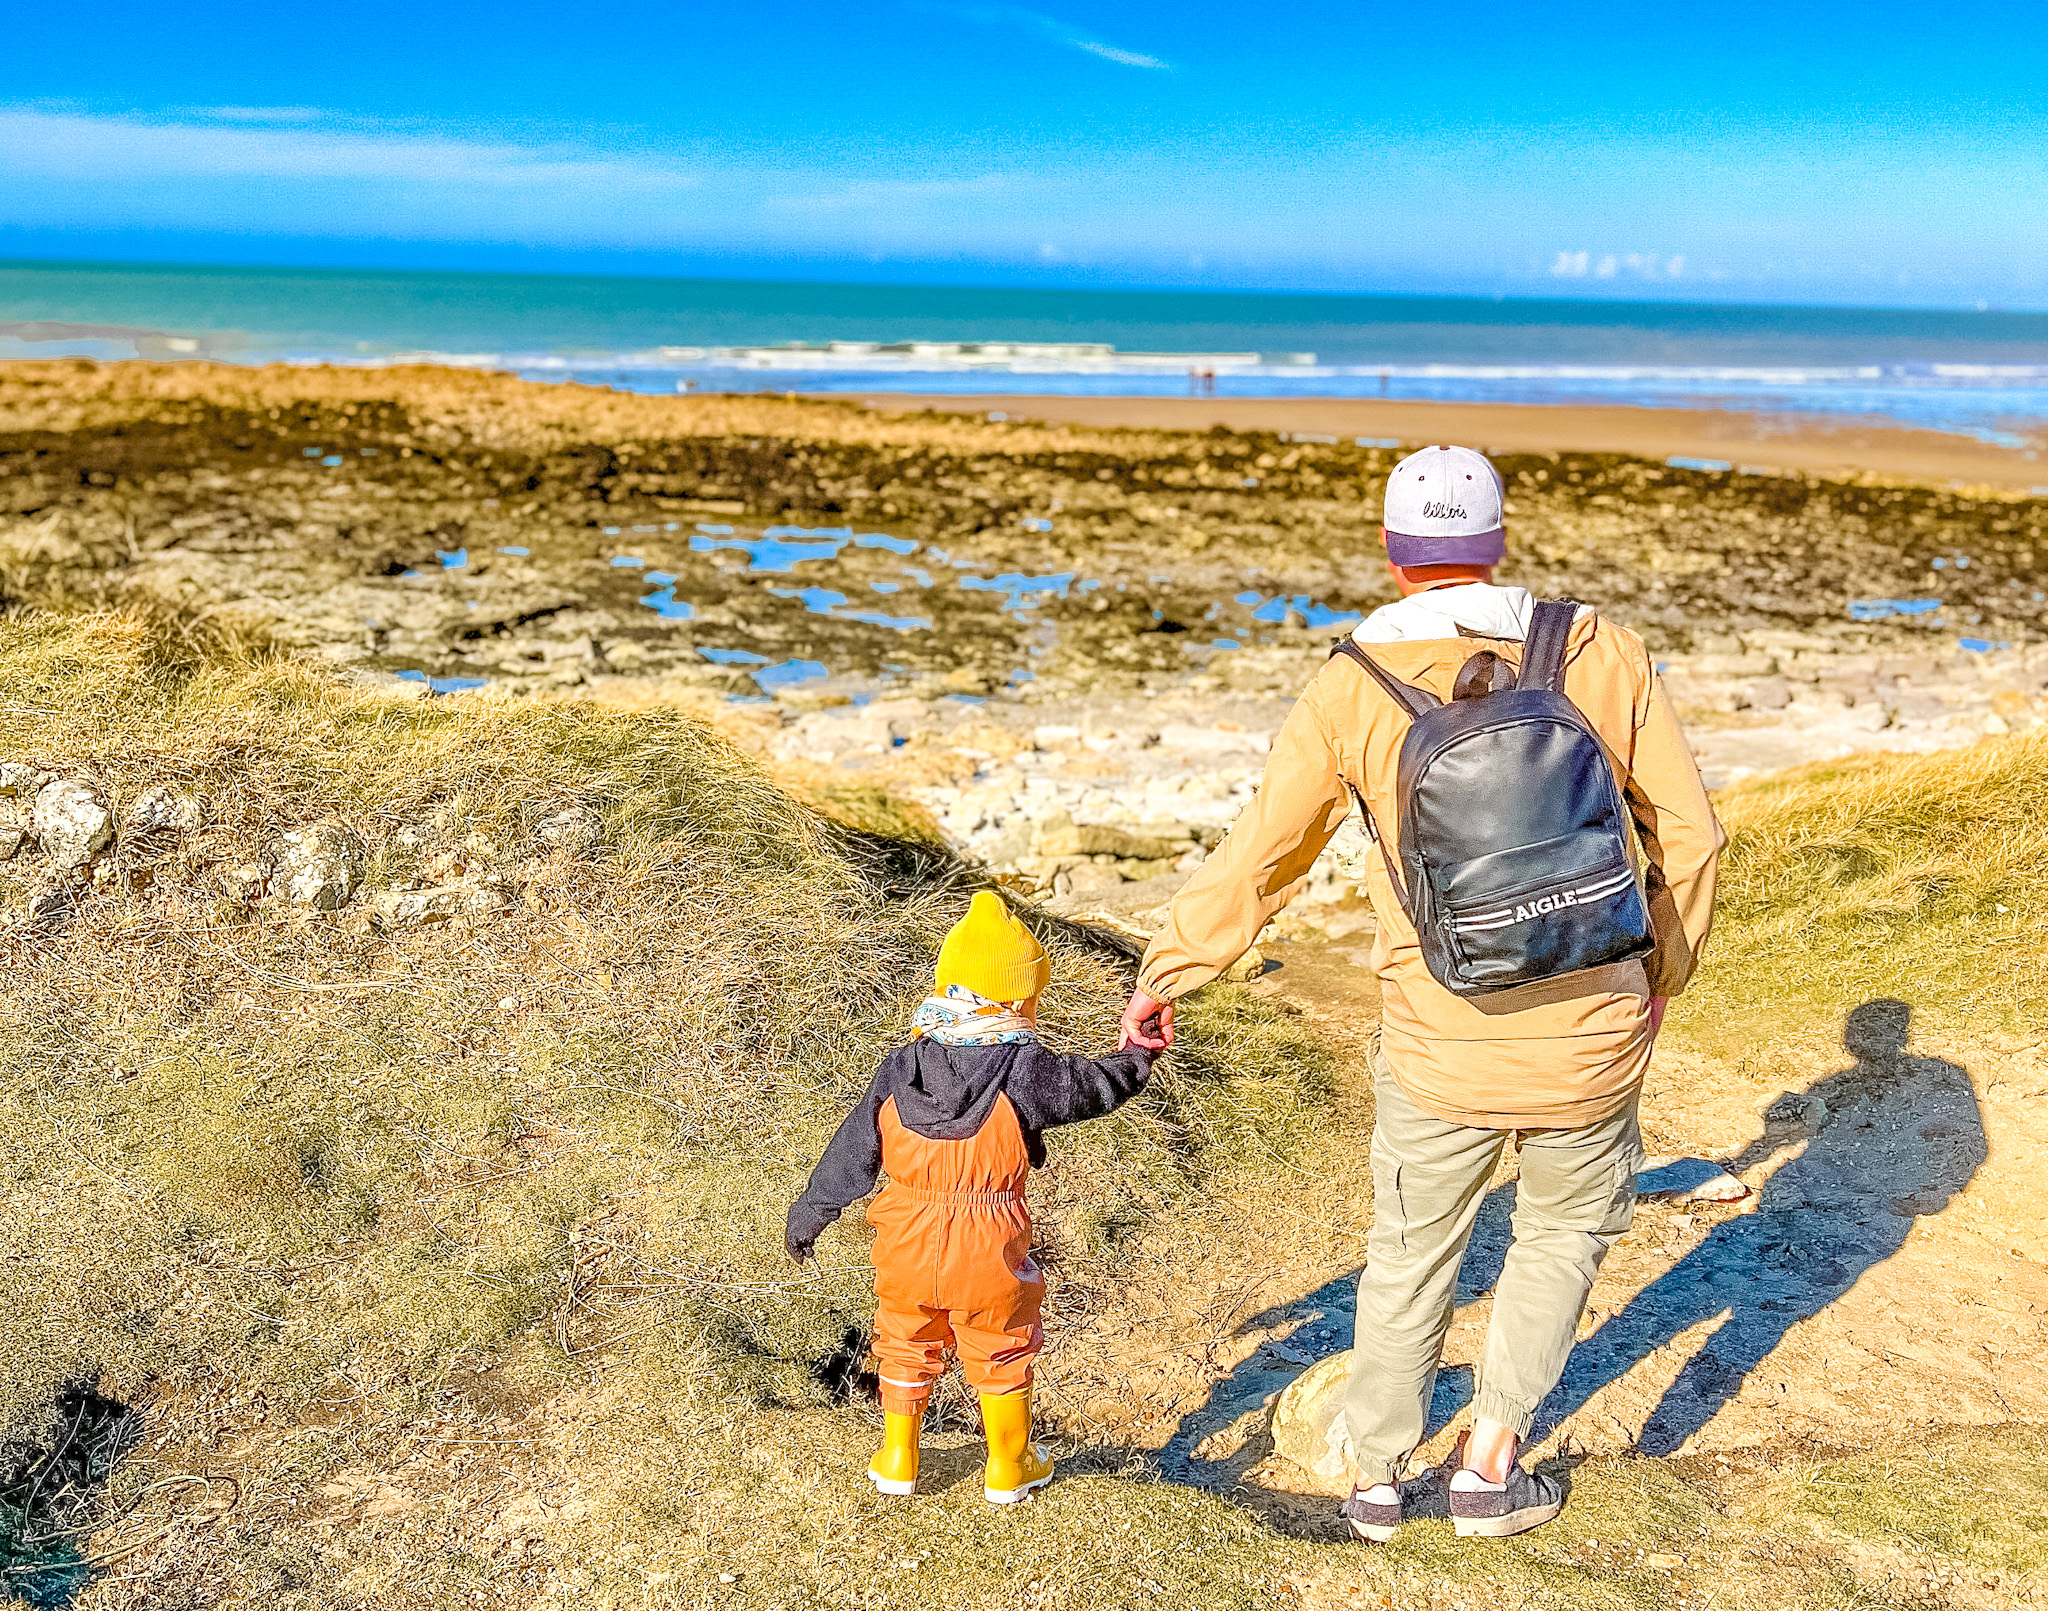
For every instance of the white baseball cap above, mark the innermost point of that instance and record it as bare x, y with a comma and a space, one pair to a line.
1444, 506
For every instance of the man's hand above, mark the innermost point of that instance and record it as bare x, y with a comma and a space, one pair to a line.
1148, 1023
1657, 1006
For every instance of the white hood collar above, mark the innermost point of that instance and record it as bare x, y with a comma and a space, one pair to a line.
1492, 612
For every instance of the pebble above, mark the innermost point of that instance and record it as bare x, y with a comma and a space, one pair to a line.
577, 829
416, 906
164, 807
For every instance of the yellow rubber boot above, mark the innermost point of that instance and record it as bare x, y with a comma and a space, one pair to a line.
894, 1467
1016, 1465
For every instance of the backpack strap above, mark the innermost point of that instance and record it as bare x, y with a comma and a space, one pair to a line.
1550, 628
1415, 701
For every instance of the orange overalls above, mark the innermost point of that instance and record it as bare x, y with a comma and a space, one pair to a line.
953, 1260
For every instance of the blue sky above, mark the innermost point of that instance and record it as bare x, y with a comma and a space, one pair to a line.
1876, 153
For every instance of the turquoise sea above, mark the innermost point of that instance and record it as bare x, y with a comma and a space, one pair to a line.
1984, 372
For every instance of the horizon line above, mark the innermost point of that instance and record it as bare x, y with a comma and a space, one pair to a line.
1290, 293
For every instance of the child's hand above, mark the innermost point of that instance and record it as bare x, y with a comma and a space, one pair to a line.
1147, 1023
799, 1249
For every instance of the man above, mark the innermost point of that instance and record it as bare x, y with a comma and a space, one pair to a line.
1557, 1065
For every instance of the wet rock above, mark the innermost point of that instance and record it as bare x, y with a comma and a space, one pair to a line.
411, 907
320, 866
576, 829
1306, 1426
71, 823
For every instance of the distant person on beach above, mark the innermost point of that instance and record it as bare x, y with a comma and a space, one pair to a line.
1555, 1064
957, 1119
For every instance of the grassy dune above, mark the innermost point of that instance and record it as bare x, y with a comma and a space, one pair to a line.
276, 1169
443, 1261
1882, 875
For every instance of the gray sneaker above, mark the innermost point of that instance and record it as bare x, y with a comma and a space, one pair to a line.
1527, 1499
1421, 1495
1373, 1523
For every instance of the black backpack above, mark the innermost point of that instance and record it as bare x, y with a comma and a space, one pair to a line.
1514, 841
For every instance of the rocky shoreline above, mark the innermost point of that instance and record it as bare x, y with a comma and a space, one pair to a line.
1071, 646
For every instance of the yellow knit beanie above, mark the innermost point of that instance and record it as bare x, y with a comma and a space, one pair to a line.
992, 954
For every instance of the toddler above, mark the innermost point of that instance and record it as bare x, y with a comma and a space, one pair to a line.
956, 1118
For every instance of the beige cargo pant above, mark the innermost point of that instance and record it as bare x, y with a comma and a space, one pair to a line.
1576, 1195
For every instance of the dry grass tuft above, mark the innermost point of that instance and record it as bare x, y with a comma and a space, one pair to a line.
1882, 875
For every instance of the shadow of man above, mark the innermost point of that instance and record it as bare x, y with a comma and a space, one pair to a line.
1872, 1148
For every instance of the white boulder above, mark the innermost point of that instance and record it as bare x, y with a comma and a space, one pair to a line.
320, 865
71, 823
1307, 1428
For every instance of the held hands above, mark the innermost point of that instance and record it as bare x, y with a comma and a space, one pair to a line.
1147, 1023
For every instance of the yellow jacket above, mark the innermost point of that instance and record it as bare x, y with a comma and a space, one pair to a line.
1562, 1053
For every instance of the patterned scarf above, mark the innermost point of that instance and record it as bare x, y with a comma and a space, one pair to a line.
959, 1017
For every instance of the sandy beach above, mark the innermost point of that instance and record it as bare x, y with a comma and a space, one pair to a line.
1808, 443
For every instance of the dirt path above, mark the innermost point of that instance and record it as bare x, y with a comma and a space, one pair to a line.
1884, 1276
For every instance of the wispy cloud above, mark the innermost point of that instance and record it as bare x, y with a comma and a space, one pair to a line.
256, 114
192, 169
1130, 58
1630, 265
67, 168
41, 145
892, 195
1064, 33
